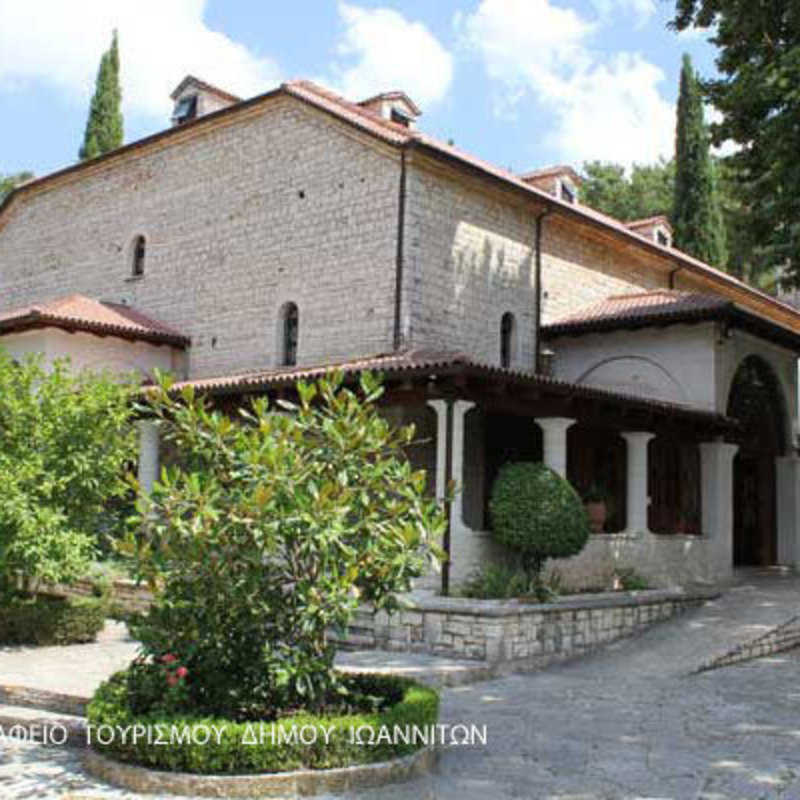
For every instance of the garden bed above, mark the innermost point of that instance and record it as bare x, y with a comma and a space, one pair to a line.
262, 745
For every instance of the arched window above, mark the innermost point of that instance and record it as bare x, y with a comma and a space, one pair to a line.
507, 336
137, 261
290, 323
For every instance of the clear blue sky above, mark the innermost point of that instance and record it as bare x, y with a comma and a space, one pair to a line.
523, 83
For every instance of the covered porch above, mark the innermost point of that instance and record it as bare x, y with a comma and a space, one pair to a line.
666, 469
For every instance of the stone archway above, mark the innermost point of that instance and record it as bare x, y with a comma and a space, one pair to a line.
756, 400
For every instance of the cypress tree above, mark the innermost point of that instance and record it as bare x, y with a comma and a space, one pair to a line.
696, 214
104, 125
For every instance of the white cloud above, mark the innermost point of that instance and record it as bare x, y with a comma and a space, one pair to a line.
382, 50
161, 41
604, 107
642, 10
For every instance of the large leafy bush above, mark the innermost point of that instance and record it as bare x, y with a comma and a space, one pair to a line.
65, 442
269, 531
538, 514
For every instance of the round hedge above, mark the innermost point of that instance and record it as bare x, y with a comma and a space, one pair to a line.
537, 513
413, 704
46, 620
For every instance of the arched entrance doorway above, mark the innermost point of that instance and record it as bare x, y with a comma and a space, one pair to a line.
756, 401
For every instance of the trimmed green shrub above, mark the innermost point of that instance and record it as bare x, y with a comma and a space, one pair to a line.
263, 746
47, 620
537, 514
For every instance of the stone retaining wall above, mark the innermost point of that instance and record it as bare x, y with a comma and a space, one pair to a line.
126, 595
514, 635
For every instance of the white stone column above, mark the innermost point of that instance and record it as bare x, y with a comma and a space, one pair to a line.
638, 499
787, 488
716, 470
554, 442
440, 407
148, 454
460, 409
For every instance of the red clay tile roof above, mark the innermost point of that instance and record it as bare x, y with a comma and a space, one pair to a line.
635, 310
78, 313
424, 363
659, 219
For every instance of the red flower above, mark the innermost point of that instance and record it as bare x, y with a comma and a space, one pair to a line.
172, 680
169, 658
181, 672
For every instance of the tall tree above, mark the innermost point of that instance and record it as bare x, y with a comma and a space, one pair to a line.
8, 182
696, 213
643, 192
104, 125
758, 98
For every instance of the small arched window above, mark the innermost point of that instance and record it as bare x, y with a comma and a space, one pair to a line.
290, 323
507, 335
137, 262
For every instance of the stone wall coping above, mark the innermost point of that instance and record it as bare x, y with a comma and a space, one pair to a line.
283, 785
509, 608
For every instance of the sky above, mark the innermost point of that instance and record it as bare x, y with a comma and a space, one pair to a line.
522, 83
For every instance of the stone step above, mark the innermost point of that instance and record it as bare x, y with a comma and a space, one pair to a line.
43, 700
355, 641
42, 727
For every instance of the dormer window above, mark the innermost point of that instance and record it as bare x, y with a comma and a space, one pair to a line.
400, 117
185, 109
137, 259
567, 192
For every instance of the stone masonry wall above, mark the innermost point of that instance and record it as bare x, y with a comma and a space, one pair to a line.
280, 204
513, 635
468, 260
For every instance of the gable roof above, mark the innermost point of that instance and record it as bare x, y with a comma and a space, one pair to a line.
369, 121
78, 313
190, 80
647, 222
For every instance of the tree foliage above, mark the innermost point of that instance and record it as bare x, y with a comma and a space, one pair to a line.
646, 192
536, 513
104, 127
697, 223
758, 97
9, 182
65, 442
270, 531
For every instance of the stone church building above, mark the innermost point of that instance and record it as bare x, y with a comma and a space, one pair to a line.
255, 242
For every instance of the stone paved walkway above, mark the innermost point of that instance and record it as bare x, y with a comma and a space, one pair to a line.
629, 722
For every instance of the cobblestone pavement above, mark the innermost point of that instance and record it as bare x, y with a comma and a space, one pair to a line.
628, 722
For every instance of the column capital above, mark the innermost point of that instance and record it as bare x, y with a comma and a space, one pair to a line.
555, 423
554, 442
462, 406
634, 437
718, 449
